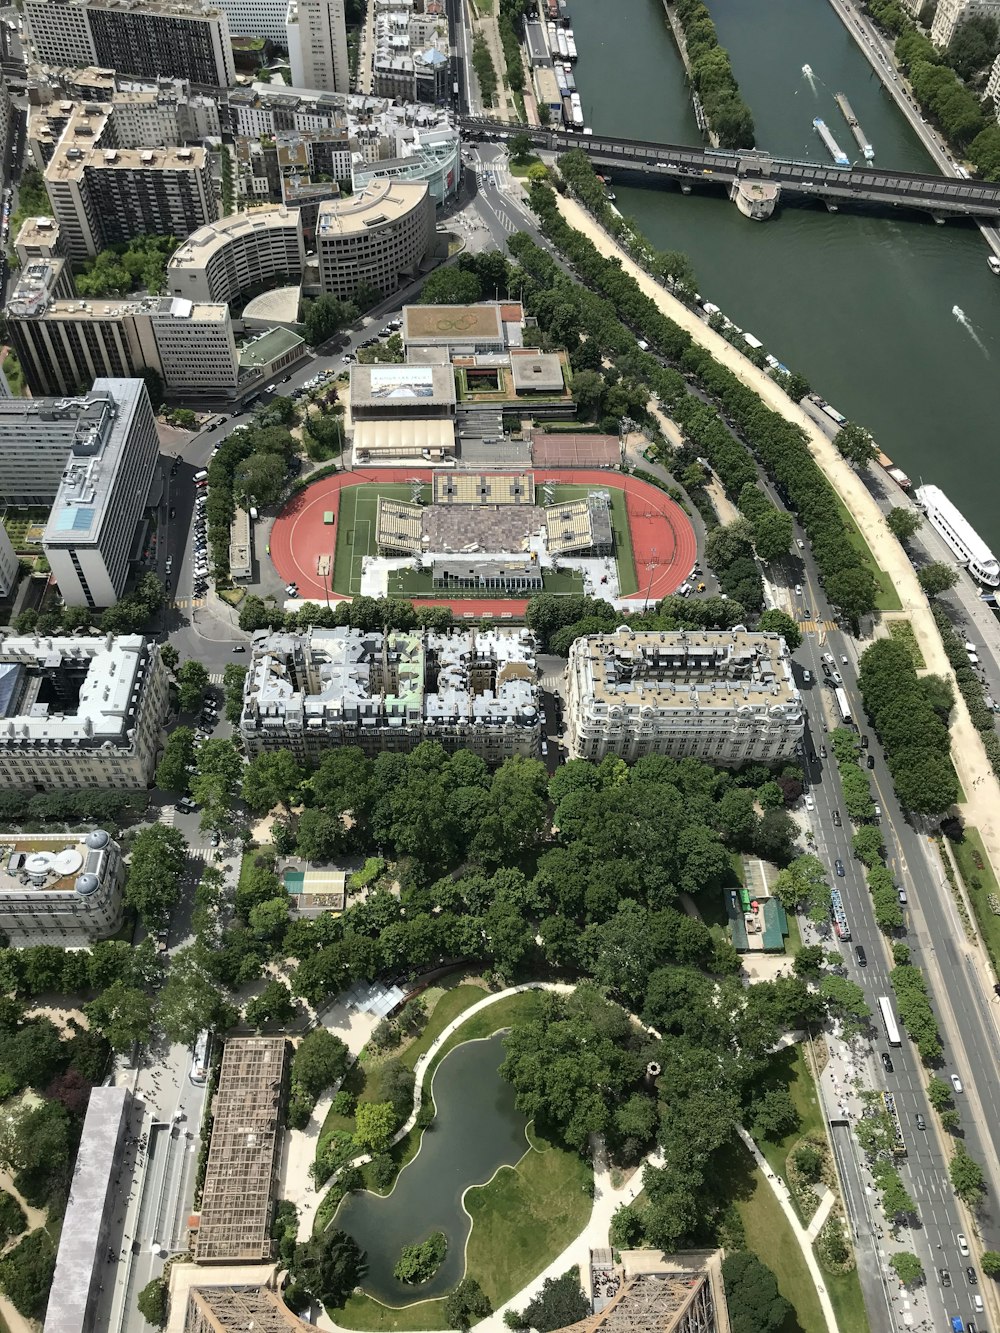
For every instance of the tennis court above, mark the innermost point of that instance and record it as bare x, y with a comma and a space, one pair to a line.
655, 541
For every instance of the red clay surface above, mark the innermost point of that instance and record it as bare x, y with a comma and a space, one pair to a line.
663, 539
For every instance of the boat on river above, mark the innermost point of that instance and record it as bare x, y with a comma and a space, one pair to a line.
840, 158
994, 263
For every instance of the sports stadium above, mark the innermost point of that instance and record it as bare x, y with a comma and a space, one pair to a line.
482, 543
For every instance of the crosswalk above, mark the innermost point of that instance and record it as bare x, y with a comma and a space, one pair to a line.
187, 603
817, 626
215, 678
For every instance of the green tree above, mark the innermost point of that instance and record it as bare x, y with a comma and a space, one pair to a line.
320, 1060
326, 316
780, 622
903, 522
845, 1001
192, 678
418, 1263
192, 999
270, 779
178, 754
169, 656
374, 1125
519, 146
937, 578
559, 1304
989, 1262
907, 1268
755, 1304
450, 285
329, 1267
122, 1014
260, 479
973, 45
967, 1178
152, 1302
232, 683
809, 960
855, 444
152, 886
274, 1004
467, 1302
26, 1273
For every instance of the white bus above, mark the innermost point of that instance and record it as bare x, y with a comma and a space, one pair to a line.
889, 1021
843, 707
200, 1056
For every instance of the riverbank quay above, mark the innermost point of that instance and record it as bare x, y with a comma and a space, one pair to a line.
880, 55
699, 111
981, 791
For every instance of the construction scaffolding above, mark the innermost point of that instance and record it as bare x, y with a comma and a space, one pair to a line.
235, 1221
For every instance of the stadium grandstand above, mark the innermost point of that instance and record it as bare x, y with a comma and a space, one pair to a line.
493, 575
580, 526
398, 527
491, 488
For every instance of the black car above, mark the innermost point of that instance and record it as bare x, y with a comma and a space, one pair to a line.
972, 1275
860, 955
864, 742
838, 865
173, 512
886, 1061
871, 761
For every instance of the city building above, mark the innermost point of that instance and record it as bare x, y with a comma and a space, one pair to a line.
316, 36
10, 570
257, 18
80, 712
225, 1309
64, 342
106, 196
400, 412
375, 238
236, 1201
950, 14
469, 689
81, 1260
239, 255
5, 129
726, 697
40, 238
463, 330
59, 888
39, 435
102, 494
146, 39
430, 154
412, 52
240, 549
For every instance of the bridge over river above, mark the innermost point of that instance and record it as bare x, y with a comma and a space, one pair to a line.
755, 180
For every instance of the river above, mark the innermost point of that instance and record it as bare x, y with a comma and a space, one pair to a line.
863, 305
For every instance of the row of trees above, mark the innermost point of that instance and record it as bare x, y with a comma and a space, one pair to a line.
910, 715
486, 74
130, 615
712, 75
916, 1015
781, 447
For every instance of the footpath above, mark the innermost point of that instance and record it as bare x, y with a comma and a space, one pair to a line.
981, 806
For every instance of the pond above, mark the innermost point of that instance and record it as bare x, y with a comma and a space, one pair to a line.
476, 1130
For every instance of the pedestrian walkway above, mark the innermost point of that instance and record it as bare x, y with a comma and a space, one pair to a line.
821, 1214
780, 1192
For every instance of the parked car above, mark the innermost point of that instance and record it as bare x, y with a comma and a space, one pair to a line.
870, 761
956, 1083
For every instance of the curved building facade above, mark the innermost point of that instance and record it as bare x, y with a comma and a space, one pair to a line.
375, 238
238, 255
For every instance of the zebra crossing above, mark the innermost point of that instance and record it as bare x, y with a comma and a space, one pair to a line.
215, 677
818, 626
187, 603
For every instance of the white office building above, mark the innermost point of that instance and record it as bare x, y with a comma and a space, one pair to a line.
317, 45
726, 697
37, 436
102, 494
9, 567
377, 237
60, 888
257, 18
80, 712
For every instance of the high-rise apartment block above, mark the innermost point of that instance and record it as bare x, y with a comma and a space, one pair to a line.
726, 697
102, 494
259, 249
317, 45
257, 18
469, 689
64, 342
80, 712
146, 39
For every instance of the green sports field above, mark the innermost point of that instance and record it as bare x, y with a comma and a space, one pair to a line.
356, 539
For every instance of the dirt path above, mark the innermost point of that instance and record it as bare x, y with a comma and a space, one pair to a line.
982, 791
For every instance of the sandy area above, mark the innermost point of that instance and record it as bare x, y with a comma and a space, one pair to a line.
982, 805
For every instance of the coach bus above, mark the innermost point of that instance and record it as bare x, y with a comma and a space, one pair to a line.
889, 1021
843, 707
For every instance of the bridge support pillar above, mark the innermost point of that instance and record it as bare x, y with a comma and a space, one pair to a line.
755, 198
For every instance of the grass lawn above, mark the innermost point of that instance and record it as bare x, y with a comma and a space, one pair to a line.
522, 168
793, 942
886, 597
902, 632
525, 1216
789, 1069
356, 530
848, 1302
970, 855
770, 1238
363, 1313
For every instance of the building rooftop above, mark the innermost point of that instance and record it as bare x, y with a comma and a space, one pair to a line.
268, 347
199, 247
239, 1177
686, 670
178, 8
98, 695
50, 862
79, 509
378, 204
37, 232
537, 372
453, 323
78, 1260
70, 162
383, 388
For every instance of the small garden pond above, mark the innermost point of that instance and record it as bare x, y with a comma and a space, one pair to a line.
476, 1130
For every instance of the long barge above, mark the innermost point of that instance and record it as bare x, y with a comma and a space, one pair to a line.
855, 127
840, 158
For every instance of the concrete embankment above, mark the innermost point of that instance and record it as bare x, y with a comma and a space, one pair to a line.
699, 110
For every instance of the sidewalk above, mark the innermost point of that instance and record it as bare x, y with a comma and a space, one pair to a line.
982, 804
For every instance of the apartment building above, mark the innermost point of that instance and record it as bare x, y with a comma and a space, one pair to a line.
103, 197
5, 129
257, 18
64, 342
240, 253
39, 238
412, 52
147, 39
10, 571
469, 689
80, 712
726, 697
101, 497
374, 238
950, 14
316, 36
59, 888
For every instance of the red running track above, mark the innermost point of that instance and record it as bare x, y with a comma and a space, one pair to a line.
663, 539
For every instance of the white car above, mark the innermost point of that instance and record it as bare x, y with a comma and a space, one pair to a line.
798, 590
956, 1083
810, 802
963, 1245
